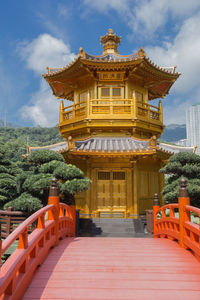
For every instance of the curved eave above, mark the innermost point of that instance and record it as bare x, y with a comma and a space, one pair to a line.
58, 147
64, 82
101, 61
158, 80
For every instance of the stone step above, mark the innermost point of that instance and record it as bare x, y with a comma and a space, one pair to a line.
112, 227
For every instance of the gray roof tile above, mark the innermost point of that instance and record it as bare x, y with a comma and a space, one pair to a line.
174, 148
111, 144
114, 144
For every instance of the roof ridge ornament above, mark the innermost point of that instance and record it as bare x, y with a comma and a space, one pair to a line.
153, 142
141, 53
81, 53
110, 42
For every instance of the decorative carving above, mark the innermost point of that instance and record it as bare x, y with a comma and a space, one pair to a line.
141, 53
110, 76
110, 42
183, 191
156, 201
71, 143
81, 53
153, 142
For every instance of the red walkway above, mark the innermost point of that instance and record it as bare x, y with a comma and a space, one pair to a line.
117, 268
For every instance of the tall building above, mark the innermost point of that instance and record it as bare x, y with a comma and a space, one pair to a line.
193, 126
111, 128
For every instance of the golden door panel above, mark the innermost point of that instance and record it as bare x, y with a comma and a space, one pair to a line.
119, 190
111, 191
103, 190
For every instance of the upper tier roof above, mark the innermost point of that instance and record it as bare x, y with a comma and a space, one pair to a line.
157, 79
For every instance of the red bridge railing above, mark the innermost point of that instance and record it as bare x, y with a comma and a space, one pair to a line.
54, 222
174, 221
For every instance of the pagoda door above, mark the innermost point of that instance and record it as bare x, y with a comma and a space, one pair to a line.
111, 193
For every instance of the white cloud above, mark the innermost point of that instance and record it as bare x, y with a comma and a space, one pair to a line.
45, 51
64, 11
183, 51
43, 109
148, 16
145, 16
104, 5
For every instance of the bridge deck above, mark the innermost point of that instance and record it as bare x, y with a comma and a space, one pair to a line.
116, 268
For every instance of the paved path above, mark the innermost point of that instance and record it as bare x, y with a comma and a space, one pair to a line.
117, 268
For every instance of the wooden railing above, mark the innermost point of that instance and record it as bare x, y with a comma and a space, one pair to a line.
54, 221
123, 108
9, 221
174, 221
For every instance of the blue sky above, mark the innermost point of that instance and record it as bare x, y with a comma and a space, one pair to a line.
39, 33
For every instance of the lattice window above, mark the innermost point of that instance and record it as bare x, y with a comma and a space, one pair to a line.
119, 176
103, 175
116, 92
139, 97
105, 92
83, 97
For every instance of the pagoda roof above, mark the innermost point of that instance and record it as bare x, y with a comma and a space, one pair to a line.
157, 79
102, 146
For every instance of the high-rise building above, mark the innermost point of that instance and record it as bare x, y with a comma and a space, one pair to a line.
193, 126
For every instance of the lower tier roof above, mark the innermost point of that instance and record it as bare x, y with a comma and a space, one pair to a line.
113, 145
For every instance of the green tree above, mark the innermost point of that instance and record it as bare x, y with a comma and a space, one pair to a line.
182, 165
8, 173
33, 184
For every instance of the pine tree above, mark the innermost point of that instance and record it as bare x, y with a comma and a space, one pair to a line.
33, 184
182, 165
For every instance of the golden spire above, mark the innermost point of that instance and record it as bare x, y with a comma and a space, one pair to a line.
110, 42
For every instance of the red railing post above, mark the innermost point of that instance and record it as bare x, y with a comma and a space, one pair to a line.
55, 200
156, 206
183, 200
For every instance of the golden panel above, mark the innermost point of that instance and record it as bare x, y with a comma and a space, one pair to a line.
111, 76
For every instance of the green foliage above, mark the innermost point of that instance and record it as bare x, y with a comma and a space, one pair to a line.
75, 185
36, 183
50, 166
44, 156
182, 165
8, 170
25, 202
16, 139
33, 176
44, 165
67, 172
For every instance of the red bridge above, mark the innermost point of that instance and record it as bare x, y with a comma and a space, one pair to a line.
51, 263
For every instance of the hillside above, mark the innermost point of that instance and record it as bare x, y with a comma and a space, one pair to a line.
16, 139
174, 132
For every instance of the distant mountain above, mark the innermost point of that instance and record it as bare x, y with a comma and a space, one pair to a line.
174, 132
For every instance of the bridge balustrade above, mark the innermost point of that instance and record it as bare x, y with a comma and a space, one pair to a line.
174, 221
54, 222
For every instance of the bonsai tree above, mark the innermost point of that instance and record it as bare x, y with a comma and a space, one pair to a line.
182, 165
33, 184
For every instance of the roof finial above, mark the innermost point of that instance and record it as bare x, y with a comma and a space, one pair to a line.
110, 42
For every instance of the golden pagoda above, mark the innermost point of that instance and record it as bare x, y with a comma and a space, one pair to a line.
111, 129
